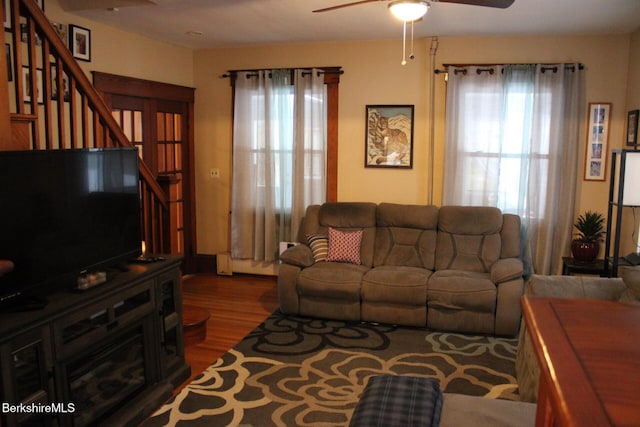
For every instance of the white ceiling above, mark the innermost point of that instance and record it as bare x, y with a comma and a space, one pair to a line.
228, 23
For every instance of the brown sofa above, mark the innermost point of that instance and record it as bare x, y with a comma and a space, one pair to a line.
449, 268
625, 289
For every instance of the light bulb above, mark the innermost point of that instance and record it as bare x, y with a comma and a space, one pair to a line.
408, 10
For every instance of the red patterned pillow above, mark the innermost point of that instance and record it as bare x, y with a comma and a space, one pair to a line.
344, 246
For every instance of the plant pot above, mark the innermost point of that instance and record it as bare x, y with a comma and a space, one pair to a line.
585, 252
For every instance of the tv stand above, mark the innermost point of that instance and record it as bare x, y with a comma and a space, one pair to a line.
126, 333
146, 259
29, 303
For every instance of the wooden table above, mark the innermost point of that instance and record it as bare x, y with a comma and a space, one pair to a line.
589, 357
194, 324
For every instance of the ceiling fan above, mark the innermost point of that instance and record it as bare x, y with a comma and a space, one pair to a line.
500, 4
73, 5
411, 11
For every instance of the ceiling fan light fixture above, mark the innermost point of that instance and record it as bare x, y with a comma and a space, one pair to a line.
408, 10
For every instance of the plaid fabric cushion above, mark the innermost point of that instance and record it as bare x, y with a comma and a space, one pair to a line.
389, 401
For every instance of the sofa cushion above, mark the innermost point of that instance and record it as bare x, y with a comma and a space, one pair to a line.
406, 235
407, 216
405, 247
344, 246
468, 238
396, 284
461, 290
332, 280
346, 216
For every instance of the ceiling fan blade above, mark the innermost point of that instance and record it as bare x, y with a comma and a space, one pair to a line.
340, 6
500, 4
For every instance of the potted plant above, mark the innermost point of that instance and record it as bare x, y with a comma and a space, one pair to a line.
586, 244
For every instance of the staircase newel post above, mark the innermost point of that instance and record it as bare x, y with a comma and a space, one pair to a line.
170, 226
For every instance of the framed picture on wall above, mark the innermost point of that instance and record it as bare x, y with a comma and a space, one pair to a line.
597, 141
632, 127
7, 48
7, 15
24, 35
26, 90
80, 42
55, 90
389, 136
61, 30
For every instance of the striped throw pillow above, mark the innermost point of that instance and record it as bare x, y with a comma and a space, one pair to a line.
319, 244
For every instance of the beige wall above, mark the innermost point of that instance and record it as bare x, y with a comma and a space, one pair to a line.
119, 52
373, 75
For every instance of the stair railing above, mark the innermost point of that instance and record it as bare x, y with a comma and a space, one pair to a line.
54, 106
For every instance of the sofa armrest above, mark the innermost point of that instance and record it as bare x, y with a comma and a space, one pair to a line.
287, 288
631, 278
506, 274
299, 255
506, 269
575, 287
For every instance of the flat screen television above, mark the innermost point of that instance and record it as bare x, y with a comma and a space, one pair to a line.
64, 213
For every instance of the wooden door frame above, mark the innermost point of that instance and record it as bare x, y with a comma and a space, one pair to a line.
107, 84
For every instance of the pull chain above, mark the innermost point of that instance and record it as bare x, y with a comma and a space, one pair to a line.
412, 56
404, 42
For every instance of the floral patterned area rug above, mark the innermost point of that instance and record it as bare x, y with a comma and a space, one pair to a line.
295, 371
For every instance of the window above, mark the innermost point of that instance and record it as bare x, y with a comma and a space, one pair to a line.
512, 141
279, 159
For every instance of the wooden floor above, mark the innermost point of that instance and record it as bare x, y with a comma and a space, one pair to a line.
237, 304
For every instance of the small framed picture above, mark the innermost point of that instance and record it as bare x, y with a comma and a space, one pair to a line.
54, 84
389, 136
7, 15
7, 48
632, 127
26, 78
24, 35
80, 42
597, 141
61, 30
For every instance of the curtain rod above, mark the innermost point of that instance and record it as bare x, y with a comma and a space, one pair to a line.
325, 70
544, 68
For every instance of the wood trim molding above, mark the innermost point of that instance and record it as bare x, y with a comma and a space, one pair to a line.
332, 80
332, 142
155, 94
130, 86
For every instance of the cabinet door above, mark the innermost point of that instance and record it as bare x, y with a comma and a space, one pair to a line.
171, 339
27, 377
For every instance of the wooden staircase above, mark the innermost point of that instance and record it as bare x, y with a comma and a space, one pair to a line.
36, 115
